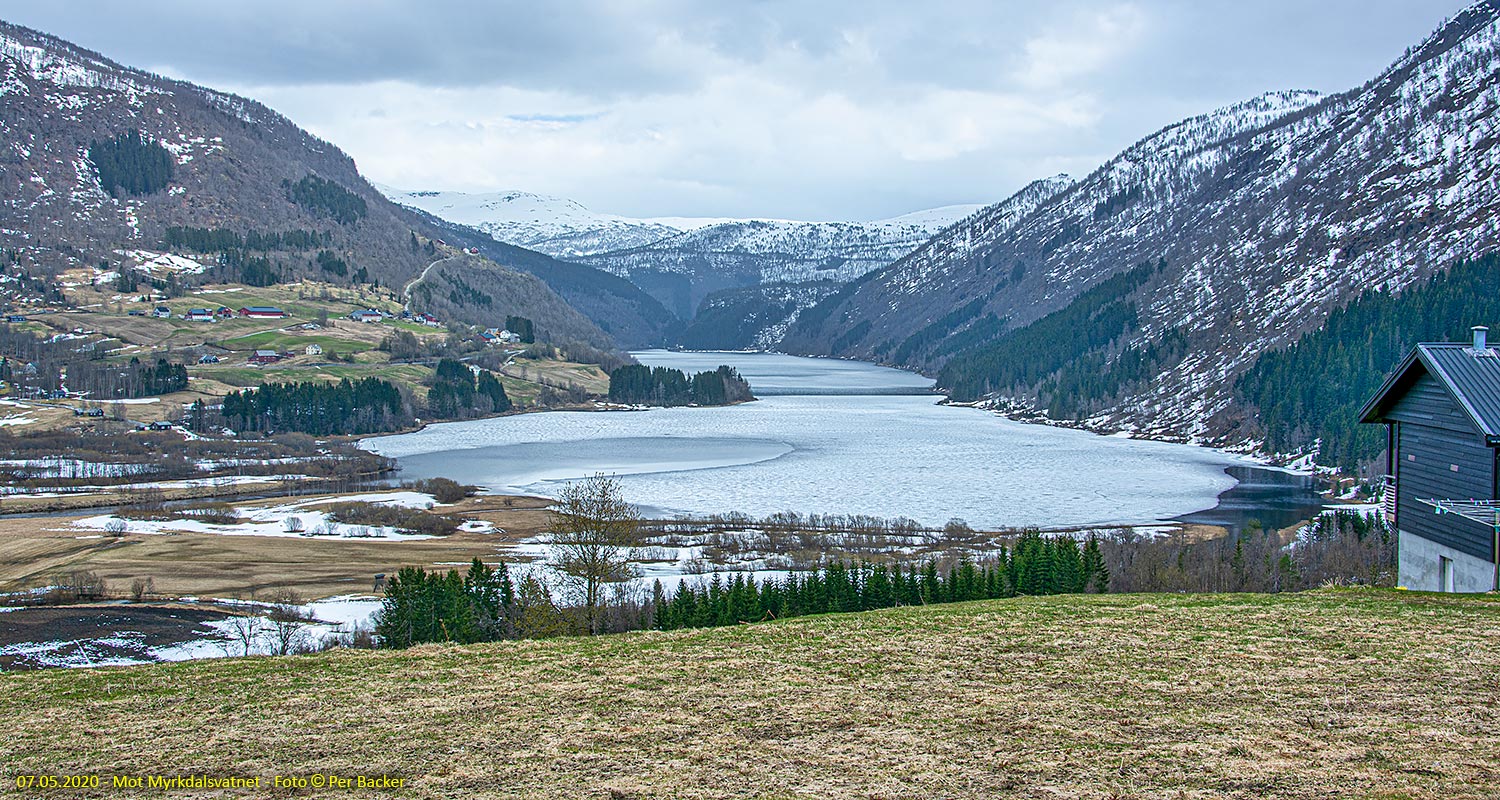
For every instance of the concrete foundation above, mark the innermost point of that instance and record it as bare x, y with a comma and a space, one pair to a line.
1420, 567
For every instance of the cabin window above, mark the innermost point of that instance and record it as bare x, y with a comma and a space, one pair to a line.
1445, 574
1453, 467
1411, 457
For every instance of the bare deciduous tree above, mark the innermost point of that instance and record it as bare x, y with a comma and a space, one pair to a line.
244, 629
591, 533
141, 588
288, 623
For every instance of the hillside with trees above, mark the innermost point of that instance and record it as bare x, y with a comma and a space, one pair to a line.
131, 164
1311, 392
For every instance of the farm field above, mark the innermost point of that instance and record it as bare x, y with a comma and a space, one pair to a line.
1332, 693
192, 564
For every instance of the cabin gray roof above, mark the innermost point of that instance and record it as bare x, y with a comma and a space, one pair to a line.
1472, 379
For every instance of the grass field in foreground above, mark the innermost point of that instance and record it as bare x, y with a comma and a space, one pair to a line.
1324, 694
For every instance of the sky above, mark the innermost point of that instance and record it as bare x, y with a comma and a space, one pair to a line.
824, 110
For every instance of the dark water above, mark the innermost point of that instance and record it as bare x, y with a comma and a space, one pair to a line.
1274, 498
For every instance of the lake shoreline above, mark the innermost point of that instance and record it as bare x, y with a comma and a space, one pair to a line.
832, 406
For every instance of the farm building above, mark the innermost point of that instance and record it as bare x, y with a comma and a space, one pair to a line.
264, 357
368, 315
1441, 409
501, 336
263, 312
199, 315
313, 349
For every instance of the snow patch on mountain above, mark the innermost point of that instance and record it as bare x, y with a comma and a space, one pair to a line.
1267, 215
556, 226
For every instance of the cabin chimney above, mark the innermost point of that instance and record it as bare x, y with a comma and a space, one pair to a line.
1479, 332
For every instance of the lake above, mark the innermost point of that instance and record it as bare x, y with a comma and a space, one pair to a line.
830, 436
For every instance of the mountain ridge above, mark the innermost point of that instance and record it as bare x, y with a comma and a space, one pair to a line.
1267, 218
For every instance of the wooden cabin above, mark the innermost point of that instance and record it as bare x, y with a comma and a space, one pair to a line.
1441, 409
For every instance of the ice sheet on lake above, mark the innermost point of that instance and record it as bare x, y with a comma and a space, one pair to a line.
887, 456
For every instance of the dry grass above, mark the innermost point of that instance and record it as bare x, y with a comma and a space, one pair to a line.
210, 565
1325, 694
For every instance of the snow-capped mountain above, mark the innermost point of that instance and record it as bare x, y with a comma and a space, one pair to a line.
1267, 215
683, 269
552, 225
680, 260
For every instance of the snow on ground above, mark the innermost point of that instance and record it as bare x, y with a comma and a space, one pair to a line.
153, 263
223, 480
479, 526
278, 520
328, 622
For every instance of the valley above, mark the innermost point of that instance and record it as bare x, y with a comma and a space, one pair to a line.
540, 404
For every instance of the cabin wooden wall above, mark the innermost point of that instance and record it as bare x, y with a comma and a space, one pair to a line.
1439, 454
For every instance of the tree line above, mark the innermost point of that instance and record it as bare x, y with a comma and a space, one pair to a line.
1343, 547
1314, 389
664, 386
487, 604
1037, 565
219, 240
368, 405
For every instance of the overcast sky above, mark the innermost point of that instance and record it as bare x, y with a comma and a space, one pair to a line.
798, 109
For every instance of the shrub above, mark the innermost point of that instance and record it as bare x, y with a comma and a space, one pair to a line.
444, 490
406, 519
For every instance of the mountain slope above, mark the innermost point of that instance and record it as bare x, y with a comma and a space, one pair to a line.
235, 166
683, 269
621, 309
1268, 215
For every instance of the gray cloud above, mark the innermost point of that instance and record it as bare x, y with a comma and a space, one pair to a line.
775, 108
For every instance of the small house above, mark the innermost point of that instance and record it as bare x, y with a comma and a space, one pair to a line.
265, 357
1441, 410
224, 312
208, 359
314, 349
162, 312
367, 315
263, 312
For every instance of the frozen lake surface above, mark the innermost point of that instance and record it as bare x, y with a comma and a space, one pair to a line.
828, 437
